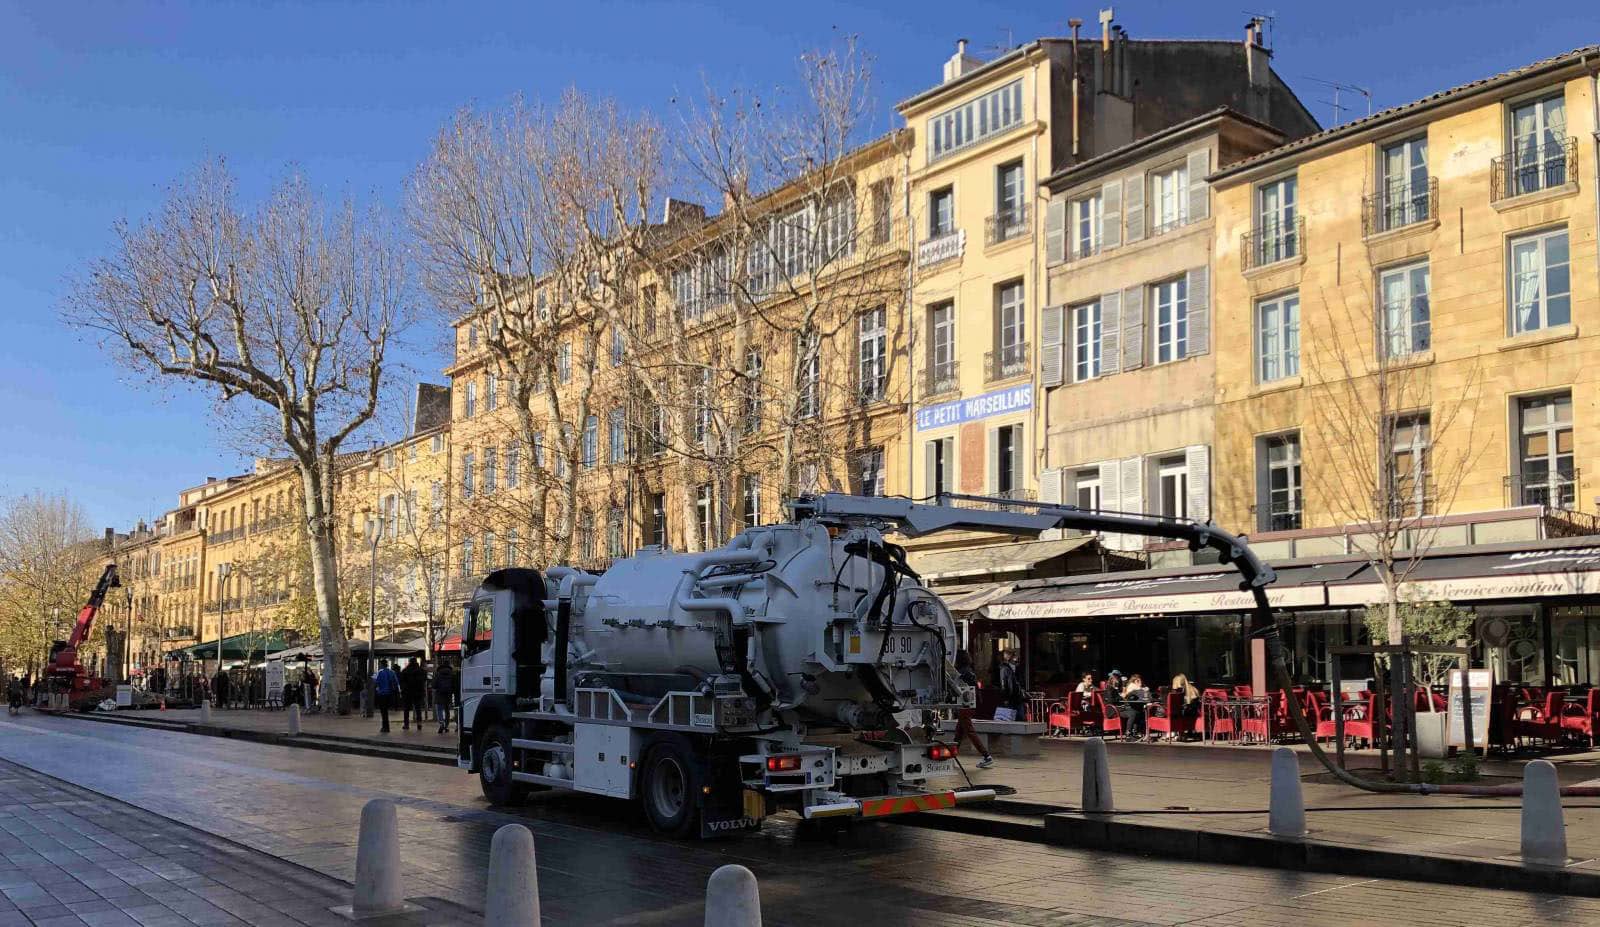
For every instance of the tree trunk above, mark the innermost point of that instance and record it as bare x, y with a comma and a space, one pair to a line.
1400, 702
325, 583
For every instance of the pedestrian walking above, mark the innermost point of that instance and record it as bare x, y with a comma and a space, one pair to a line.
219, 685
413, 689
444, 693
1013, 697
14, 696
385, 685
964, 716
308, 680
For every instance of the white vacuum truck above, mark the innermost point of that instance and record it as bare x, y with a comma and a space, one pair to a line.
719, 687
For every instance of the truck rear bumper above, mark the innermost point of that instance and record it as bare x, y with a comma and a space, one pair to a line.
897, 804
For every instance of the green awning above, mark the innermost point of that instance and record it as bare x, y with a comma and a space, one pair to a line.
255, 645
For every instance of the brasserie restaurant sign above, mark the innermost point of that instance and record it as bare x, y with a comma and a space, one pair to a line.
999, 402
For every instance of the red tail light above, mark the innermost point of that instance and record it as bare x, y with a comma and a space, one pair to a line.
942, 752
783, 763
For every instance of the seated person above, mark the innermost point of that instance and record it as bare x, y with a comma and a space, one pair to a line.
1191, 696
1135, 689
1086, 684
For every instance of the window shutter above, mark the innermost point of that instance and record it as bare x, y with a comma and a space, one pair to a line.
1110, 333
992, 453
950, 463
1199, 311
1052, 348
1131, 495
1199, 191
1133, 328
1055, 231
1050, 485
1133, 206
930, 468
1110, 477
1197, 459
1019, 457
1110, 215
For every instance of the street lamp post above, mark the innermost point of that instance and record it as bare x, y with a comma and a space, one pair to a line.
374, 529
223, 571
127, 642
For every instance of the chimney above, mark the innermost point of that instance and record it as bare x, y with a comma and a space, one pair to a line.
738, 191
1106, 15
111, 535
677, 210
1257, 57
960, 63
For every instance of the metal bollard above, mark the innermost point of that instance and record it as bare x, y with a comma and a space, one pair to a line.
205, 711
1096, 777
1286, 815
1544, 828
378, 888
732, 898
294, 720
512, 898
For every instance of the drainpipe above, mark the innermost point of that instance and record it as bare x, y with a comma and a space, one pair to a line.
911, 332
1076, 24
1594, 103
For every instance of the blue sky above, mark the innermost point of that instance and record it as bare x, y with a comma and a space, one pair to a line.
102, 104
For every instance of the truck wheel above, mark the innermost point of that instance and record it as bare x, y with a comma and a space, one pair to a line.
669, 788
494, 767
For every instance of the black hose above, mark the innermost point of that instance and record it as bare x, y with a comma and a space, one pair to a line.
559, 650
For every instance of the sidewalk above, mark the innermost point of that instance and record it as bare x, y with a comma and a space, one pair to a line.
326, 731
73, 857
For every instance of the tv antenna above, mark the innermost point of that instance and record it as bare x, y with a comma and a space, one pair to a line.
998, 49
1269, 18
1338, 88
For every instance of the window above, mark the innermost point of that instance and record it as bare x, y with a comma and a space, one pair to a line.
872, 344
1172, 486
614, 534
391, 516
591, 440
1407, 477
513, 466
810, 372
942, 346
472, 337
750, 499
563, 362
1275, 238
941, 467
471, 403
616, 436
538, 451
1006, 460
975, 120
869, 472
1405, 317
658, 519
941, 212
706, 515
436, 504
491, 392
702, 406
616, 347
387, 460
585, 538
489, 456
468, 564
563, 450
1011, 336
1169, 308
1278, 338
837, 236
1086, 488
437, 444
411, 453
882, 210
1541, 285
647, 297
513, 542
1281, 502
791, 244
1009, 194
1169, 199
1085, 214
1403, 187
542, 304
753, 366
1538, 145
468, 463
1547, 476
1086, 341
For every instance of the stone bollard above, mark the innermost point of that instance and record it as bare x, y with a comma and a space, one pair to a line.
377, 863
1286, 816
732, 898
512, 898
1096, 777
1544, 829
294, 720
205, 711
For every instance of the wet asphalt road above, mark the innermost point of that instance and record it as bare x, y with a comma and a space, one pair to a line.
598, 864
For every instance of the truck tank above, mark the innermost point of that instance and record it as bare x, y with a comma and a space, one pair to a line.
829, 625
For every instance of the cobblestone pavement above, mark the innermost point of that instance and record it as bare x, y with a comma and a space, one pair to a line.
598, 865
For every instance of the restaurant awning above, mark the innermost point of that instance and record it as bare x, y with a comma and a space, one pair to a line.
1165, 592
250, 645
1019, 556
1476, 575
964, 600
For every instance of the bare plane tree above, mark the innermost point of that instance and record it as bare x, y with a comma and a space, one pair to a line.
291, 305
48, 559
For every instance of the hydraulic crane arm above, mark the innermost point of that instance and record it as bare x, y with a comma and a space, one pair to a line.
97, 598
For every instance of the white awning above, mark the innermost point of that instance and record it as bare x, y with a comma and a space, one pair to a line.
1015, 557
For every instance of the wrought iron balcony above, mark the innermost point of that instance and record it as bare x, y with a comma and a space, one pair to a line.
946, 247
1009, 224
1552, 490
1532, 168
177, 633
1010, 361
1398, 206
940, 378
1271, 244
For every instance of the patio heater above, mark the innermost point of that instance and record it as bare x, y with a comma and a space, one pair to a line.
368, 695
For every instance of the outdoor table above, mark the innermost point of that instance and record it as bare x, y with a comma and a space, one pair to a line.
1235, 710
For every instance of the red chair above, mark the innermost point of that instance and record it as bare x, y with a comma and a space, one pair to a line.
1110, 719
1215, 721
1174, 722
1580, 719
1361, 721
1242, 692
1542, 722
1059, 720
1081, 713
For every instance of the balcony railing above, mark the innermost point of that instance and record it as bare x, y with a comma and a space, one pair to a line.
1552, 490
946, 247
178, 632
1281, 516
1271, 244
1532, 168
1007, 225
1010, 361
940, 378
1399, 206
